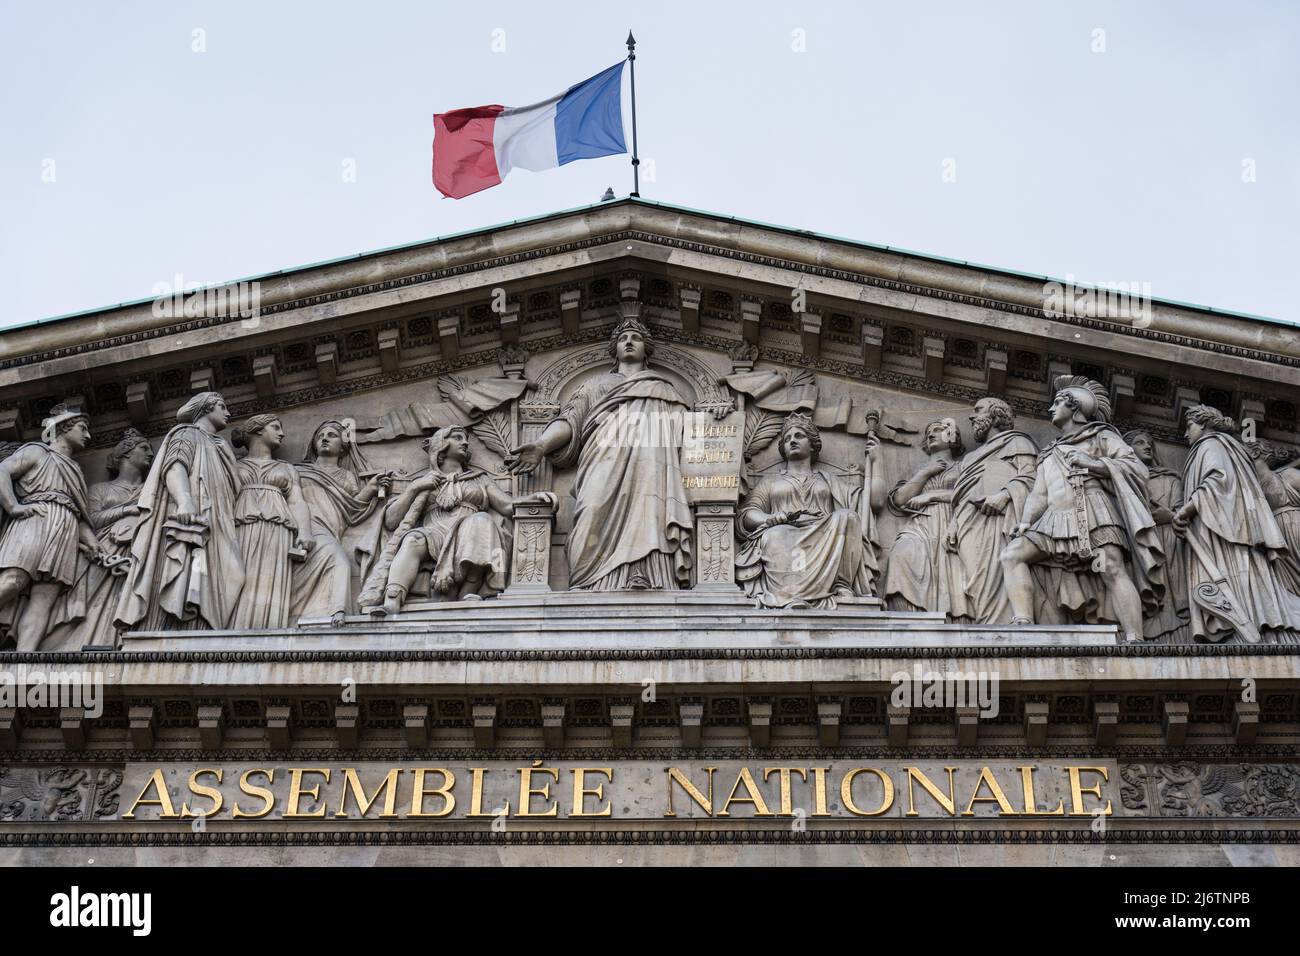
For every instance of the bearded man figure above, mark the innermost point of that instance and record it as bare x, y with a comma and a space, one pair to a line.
987, 502
1086, 520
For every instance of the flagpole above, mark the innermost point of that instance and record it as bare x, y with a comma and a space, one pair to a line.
636, 163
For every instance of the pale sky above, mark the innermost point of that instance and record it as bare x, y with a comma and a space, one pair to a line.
1153, 142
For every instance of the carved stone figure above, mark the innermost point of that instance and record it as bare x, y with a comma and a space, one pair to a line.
186, 569
921, 574
43, 494
444, 522
631, 522
285, 576
1086, 520
1169, 624
987, 502
1235, 546
1279, 476
802, 540
341, 493
84, 614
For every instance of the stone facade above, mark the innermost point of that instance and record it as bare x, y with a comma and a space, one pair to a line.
642, 490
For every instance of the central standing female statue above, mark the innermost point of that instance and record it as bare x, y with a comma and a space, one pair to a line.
632, 523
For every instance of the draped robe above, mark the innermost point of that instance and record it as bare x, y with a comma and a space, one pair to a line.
1236, 529
183, 577
1005, 462
631, 521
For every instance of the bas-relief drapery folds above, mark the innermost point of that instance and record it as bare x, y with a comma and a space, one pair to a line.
1091, 528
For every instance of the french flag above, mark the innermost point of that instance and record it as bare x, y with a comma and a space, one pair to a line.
477, 147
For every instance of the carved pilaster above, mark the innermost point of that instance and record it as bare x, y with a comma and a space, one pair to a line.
715, 546
530, 562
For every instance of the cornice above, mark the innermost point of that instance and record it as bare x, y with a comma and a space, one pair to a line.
102, 658
686, 245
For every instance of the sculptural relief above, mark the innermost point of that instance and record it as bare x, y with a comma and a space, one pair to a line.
988, 499
1236, 550
1169, 624
43, 494
84, 614
448, 522
631, 521
804, 538
921, 573
1086, 521
341, 492
285, 577
187, 570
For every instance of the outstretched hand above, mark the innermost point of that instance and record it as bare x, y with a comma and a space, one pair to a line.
524, 458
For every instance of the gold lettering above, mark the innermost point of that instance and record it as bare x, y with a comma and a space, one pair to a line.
948, 803
581, 791
352, 784
819, 792
527, 791
476, 794
199, 790
1077, 790
756, 798
787, 804
159, 782
1031, 802
887, 795
253, 791
675, 775
986, 777
297, 791
419, 792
